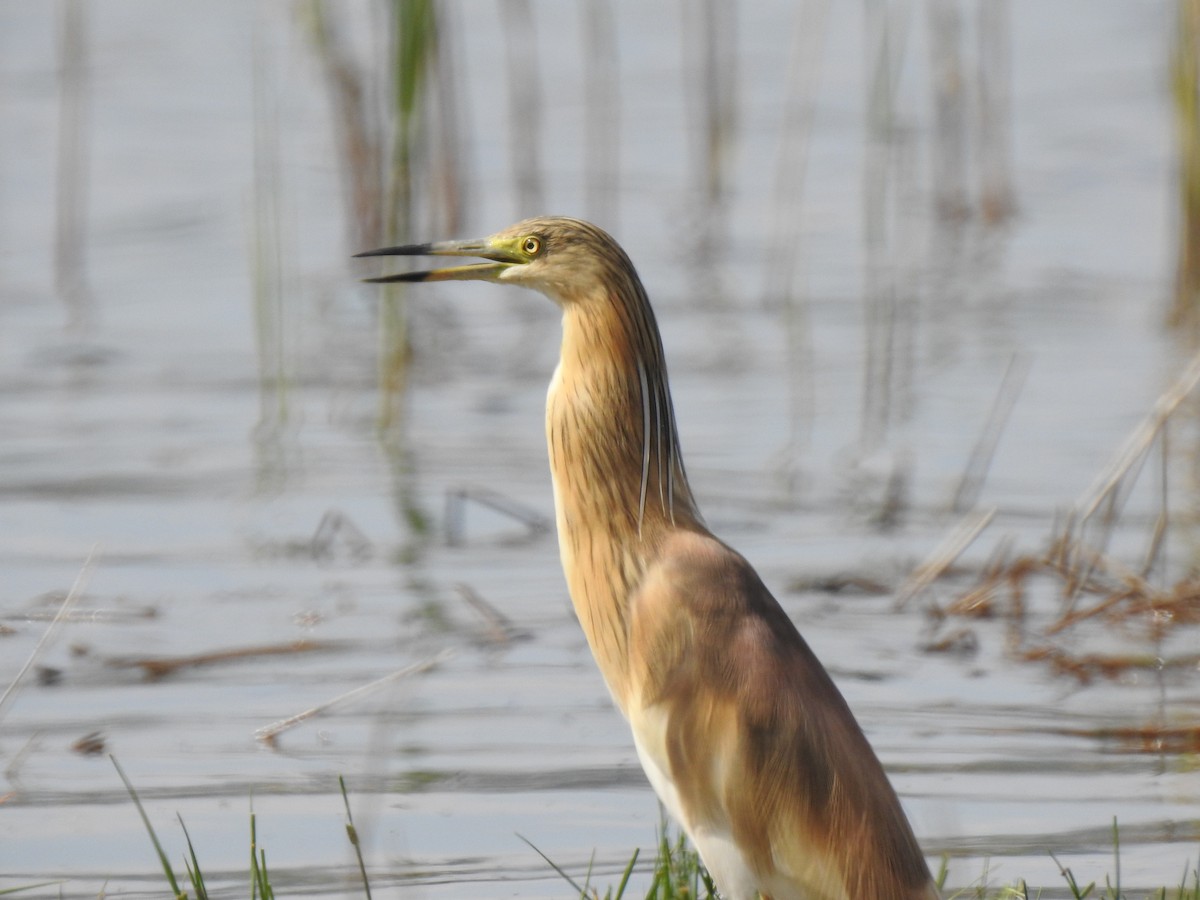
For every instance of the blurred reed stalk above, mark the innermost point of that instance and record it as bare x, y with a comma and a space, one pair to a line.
267, 249
956, 132
970, 484
70, 239
388, 171
386, 129
949, 154
1185, 72
876, 293
525, 107
602, 105
413, 47
716, 24
414, 51
890, 200
997, 197
382, 143
449, 199
357, 129
267, 273
524, 103
710, 61
783, 277
785, 273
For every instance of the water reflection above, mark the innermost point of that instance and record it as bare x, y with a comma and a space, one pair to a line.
266, 453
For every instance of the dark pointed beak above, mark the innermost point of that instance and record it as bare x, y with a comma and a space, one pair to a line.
502, 258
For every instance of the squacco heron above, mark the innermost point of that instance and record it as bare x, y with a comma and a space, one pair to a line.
740, 729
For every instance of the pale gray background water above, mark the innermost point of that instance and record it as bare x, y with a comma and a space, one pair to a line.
139, 424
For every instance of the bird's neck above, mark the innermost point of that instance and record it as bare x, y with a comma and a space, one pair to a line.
619, 482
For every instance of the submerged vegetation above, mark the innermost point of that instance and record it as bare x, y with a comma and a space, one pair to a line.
1146, 600
1185, 84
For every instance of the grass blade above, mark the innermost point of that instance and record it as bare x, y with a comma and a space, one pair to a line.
30, 887
162, 856
625, 875
260, 882
1114, 889
352, 834
581, 891
192, 864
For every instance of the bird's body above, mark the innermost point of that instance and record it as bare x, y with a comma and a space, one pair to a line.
742, 734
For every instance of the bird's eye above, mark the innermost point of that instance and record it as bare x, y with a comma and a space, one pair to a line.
531, 245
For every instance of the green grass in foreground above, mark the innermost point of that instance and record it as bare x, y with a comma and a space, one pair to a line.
260, 879
677, 872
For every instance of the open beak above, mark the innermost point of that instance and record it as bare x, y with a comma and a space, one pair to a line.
502, 258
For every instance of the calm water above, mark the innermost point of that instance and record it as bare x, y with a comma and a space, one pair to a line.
137, 421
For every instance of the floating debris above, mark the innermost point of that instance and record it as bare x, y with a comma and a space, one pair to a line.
962, 642
840, 583
91, 744
160, 666
498, 628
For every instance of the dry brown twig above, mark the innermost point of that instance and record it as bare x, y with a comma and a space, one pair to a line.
73, 595
1094, 584
269, 734
161, 666
1104, 491
943, 556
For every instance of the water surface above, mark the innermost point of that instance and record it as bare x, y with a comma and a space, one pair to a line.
138, 421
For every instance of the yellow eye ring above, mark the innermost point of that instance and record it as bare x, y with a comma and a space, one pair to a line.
531, 245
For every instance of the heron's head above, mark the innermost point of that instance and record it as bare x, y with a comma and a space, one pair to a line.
568, 260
